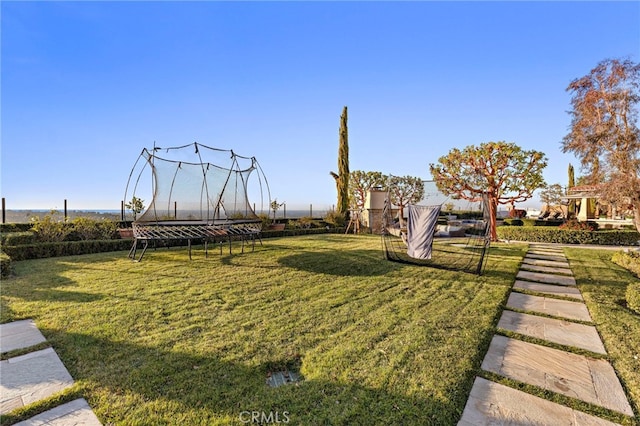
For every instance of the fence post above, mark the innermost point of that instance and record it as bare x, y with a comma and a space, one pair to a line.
65, 209
4, 211
310, 210
284, 211
122, 211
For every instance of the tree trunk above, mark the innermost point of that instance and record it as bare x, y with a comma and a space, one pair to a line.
636, 214
493, 214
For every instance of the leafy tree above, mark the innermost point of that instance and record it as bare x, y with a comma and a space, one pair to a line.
404, 190
136, 205
604, 134
552, 196
361, 182
342, 177
503, 171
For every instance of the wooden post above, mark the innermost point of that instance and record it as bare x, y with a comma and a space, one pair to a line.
175, 209
310, 210
284, 211
122, 211
4, 211
65, 210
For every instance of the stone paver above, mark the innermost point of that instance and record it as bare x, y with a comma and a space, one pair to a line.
29, 378
553, 330
76, 412
557, 253
539, 247
542, 277
19, 335
590, 380
546, 269
557, 290
546, 305
495, 404
542, 262
557, 258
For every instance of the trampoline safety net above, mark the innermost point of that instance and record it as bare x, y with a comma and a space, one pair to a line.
197, 193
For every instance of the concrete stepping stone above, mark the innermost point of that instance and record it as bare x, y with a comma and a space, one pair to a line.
588, 379
546, 269
543, 277
553, 330
557, 258
556, 290
494, 404
31, 377
542, 262
19, 335
76, 412
545, 305
558, 253
541, 247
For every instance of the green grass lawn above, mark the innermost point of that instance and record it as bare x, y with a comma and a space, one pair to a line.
173, 341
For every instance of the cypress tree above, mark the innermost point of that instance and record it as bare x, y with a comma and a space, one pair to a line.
571, 208
342, 177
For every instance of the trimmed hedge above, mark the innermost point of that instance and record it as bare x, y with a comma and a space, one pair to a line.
64, 248
15, 227
633, 297
18, 238
5, 265
71, 248
302, 231
567, 236
628, 260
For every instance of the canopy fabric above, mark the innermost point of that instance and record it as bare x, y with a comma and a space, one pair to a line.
421, 227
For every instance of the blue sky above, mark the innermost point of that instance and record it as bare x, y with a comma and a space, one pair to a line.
87, 85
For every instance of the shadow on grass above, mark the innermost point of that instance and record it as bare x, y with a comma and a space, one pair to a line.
132, 384
365, 263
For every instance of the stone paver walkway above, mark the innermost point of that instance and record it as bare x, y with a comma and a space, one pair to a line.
548, 317
36, 375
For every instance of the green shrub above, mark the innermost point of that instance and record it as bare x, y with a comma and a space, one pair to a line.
15, 227
91, 229
5, 265
629, 260
566, 236
306, 222
64, 248
49, 229
513, 222
17, 238
265, 219
633, 297
541, 222
334, 218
